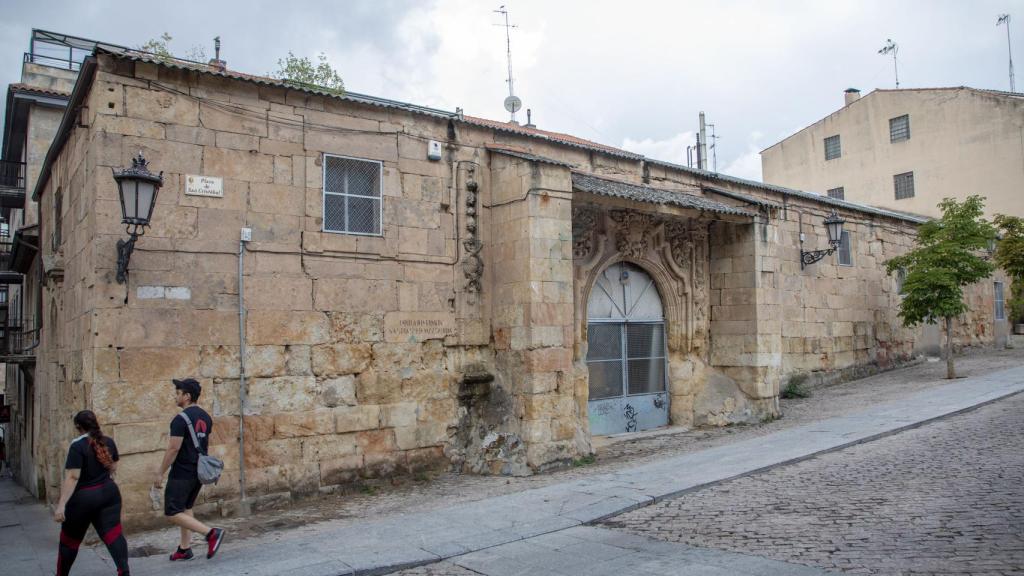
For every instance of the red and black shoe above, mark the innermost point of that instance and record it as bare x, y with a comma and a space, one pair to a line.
214, 539
182, 554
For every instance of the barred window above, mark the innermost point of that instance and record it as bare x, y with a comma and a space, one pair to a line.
899, 128
837, 193
845, 253
352, 195
832, 147
1000, 301
904, 185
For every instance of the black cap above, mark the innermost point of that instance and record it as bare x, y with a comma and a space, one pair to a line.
190, 386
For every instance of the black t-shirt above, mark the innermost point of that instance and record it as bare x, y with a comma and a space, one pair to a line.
187, 462
81, 456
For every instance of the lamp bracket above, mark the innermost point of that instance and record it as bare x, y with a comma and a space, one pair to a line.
124, 254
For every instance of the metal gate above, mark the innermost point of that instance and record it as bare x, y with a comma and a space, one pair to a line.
626, 354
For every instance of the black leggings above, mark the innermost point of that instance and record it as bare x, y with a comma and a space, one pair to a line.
101, 507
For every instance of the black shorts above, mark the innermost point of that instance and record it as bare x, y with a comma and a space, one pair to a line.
180, 495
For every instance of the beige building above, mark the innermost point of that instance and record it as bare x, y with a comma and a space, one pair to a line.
908, 149
420, 288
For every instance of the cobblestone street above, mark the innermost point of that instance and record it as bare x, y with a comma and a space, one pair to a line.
946, 498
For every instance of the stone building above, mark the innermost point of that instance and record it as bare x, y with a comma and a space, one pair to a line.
907, 149
421, 288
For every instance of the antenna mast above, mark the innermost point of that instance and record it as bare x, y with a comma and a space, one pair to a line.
893, 48
1005, 19
512, 103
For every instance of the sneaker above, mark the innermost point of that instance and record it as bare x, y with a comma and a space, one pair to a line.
214, 539
182, 554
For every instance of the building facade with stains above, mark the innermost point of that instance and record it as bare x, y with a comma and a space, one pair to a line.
422, 289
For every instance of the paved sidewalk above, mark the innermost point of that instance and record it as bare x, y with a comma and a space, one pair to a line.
385, 544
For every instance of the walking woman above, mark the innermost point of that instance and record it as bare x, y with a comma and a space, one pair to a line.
89, 496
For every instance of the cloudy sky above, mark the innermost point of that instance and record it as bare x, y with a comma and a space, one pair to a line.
633, 74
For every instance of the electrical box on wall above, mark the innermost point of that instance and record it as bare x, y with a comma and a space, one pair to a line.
433, 150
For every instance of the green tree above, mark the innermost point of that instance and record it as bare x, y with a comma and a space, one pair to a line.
944, 260
1009, 256
160, 47
303, 71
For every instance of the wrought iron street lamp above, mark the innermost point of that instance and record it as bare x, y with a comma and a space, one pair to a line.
137, 190
834, 227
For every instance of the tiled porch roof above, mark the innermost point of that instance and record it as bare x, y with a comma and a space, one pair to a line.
638, 193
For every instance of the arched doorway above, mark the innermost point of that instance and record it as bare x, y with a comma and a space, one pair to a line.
626, 354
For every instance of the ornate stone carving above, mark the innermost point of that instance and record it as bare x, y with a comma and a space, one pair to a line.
699, 236
472, 264
681, 244
633, 232
584, 220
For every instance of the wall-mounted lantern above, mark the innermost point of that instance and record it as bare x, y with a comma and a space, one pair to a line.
834, 226
137, 190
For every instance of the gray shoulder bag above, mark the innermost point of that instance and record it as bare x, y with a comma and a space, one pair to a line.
209, 467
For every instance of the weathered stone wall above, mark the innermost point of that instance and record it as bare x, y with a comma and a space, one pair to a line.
480, 244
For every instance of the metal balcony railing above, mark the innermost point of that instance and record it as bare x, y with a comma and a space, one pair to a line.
5, 254
19, 337
12, 174
72, 62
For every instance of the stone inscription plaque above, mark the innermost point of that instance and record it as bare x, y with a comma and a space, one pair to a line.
417, 326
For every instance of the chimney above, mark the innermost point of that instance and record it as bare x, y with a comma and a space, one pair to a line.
529, 119
217, 64
851, 96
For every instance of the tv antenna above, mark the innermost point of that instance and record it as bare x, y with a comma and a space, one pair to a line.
893, 48
714, 145
513, 104
1005, 19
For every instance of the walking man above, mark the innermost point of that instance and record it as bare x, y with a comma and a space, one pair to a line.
182, 458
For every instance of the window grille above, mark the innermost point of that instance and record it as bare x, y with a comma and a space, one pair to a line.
845, 253
1000, 301
833, 148
352, 195
904, 185
837, 193
899, 128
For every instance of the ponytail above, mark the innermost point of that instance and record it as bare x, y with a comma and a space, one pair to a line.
87, 422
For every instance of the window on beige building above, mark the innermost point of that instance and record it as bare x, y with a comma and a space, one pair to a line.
833, 148
901, 278
904, 185
837, 193
899, 128
845, 252
1000, 301
352, 195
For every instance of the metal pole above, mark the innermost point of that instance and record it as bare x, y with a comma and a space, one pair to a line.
244, 503
896, 69
1010, 52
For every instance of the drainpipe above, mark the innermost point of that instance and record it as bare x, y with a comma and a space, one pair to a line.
243, 505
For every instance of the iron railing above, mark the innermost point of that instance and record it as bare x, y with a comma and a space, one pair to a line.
69, 63
12, 174
19, 336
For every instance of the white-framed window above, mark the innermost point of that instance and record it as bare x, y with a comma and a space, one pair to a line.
833, 148
352, 197
845, 252
837, 193
903, 184
899, 128
1000, 301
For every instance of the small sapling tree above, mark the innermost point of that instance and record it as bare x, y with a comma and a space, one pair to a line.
1009, 256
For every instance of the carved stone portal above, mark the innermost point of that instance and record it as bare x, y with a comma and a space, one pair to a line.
633, 232
584, 220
